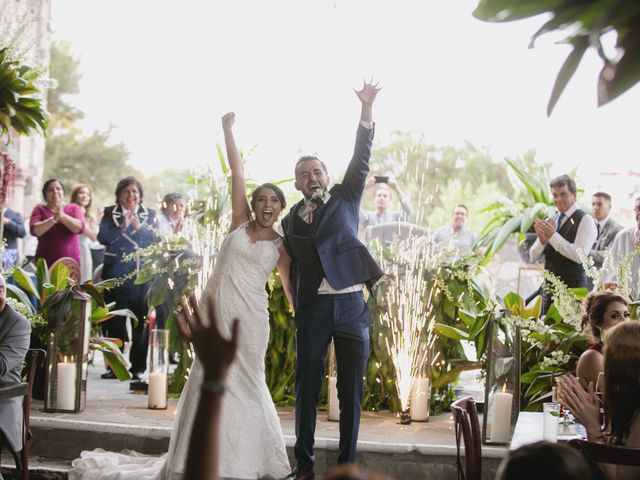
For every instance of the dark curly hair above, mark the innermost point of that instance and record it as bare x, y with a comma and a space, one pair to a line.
270, 186
593, 309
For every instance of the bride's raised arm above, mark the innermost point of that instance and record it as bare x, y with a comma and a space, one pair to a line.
240, 209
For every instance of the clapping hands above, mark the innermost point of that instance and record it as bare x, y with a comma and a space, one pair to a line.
544, 230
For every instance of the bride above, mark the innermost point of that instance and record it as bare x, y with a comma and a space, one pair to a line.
245, 261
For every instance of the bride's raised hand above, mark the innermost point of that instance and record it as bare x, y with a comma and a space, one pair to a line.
214, 351
228, 119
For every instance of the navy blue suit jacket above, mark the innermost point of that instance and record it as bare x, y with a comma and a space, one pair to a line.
344, 259
119, 243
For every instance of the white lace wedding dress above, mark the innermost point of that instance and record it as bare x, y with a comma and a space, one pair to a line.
252, 445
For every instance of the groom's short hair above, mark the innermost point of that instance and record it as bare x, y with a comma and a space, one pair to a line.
309, 158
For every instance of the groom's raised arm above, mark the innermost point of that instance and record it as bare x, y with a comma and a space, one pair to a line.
356, 175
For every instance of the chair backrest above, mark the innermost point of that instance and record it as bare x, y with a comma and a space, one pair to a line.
72, 266
610, 454
34, 357
386, 232
467, 428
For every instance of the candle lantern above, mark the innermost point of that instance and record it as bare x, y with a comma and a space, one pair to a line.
502, 384
67, 353
332, 391
158, 369
421, 385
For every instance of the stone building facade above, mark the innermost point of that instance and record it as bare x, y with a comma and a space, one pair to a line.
28, 152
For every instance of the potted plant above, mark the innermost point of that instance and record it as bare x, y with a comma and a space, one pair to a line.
51, 300
517, 216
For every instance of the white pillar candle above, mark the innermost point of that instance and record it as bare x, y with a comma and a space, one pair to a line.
66, 395
420, 395
334, 404
501, 418
158, 390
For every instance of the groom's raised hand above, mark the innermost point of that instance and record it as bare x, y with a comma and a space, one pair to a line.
214, 351
367, 95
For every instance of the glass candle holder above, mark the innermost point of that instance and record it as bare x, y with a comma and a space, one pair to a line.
421, 385
332, 391
502, 384
67, 357
158, 369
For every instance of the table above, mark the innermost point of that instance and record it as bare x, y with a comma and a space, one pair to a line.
529, 430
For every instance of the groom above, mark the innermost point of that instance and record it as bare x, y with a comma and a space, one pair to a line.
329, 269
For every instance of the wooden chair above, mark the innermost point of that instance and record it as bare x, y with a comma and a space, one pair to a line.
72, 266
24, 389
467, 428
597, 453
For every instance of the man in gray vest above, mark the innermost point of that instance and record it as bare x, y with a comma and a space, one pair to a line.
607, 228
561, 236
14, 343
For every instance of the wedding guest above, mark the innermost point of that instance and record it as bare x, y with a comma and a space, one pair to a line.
125, 228
382, 202
623, 247
621, 397
607, 227
456, 234
82, 196
602, 310
57, 225
560, 238
15, 331
544, 461
12, 229
171, 220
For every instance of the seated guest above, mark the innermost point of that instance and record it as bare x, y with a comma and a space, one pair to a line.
12, 229
15, 331
57, 225
621, 397
602, 310
624, 245
382, 202
544, 461
456, 234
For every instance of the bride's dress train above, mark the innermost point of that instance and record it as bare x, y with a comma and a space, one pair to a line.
251, 442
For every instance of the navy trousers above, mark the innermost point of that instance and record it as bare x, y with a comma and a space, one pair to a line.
345, 318
133, 297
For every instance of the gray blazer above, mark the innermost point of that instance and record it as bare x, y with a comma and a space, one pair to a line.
15, 331
606, 235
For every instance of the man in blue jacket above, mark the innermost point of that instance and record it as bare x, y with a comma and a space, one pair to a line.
329, 269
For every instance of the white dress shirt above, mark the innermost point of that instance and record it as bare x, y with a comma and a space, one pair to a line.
586, 236
623, 245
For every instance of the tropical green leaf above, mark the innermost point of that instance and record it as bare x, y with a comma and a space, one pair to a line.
19, 294
507, 229
94, 292
450, 332
59, 275
23, 279
569, 67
